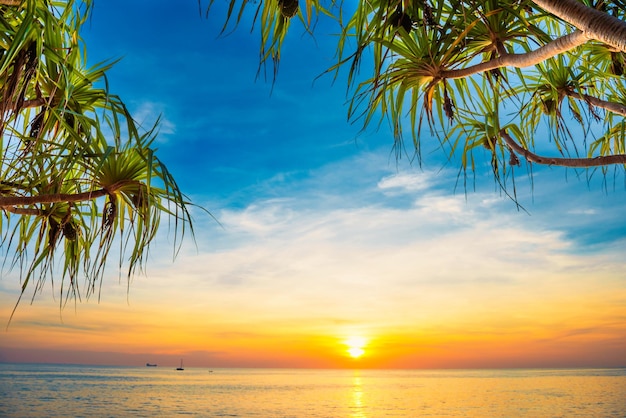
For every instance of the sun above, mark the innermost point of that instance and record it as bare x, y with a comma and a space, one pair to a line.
356, 346
355, 352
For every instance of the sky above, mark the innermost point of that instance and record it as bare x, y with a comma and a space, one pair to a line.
321, 240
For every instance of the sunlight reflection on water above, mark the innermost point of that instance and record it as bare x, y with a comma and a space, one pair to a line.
357, 397
55, 391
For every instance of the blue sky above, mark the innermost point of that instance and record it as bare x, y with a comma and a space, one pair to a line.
232, 138
240, 131
321, 228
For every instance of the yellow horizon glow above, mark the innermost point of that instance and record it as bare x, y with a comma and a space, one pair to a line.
560, 321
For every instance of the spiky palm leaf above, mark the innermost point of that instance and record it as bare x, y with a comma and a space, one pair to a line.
539, 62
76, 174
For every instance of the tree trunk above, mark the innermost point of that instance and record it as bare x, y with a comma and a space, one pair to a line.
594, 23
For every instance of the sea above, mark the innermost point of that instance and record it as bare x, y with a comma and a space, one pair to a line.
52, 390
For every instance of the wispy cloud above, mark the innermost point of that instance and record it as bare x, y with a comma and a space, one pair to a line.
357, 257
147, 113
405, 182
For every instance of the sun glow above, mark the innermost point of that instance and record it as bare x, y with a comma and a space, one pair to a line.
356, 352
356, 346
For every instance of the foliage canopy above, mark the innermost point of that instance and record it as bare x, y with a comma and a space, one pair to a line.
78, 176
508, 76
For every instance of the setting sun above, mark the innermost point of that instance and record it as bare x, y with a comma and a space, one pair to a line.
355, 346
356, 352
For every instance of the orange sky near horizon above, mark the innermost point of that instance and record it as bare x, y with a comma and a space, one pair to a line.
580, 329
446, 282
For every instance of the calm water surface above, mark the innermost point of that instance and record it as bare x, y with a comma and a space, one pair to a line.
28, 390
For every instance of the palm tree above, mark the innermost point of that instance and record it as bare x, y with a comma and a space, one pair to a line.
488, 76
77, 174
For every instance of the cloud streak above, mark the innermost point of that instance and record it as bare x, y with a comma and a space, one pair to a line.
437, 257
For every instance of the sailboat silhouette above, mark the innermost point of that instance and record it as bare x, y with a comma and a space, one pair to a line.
181, 365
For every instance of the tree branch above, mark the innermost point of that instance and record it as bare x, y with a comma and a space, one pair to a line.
617, 108
23, 211
40, 101
595, 24
558, 46
564, 162
12, 201
10, 2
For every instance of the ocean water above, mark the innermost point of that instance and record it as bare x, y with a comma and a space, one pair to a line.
38, 390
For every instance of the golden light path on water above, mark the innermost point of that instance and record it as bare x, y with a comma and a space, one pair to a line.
70, 390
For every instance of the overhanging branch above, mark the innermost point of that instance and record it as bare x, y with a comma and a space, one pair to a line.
602, 160
614, 107
8, 202
594, 23
556, 47
22, 211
